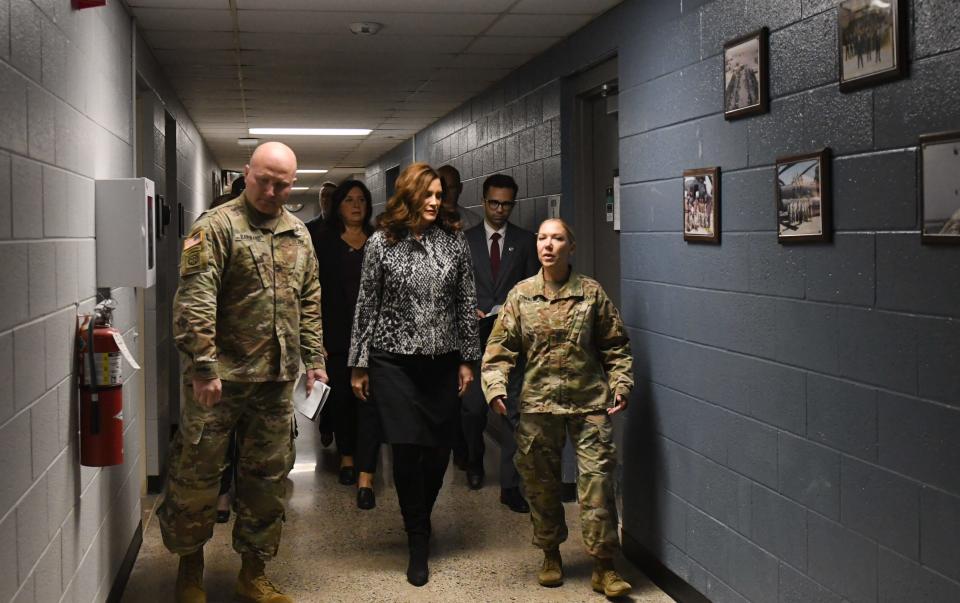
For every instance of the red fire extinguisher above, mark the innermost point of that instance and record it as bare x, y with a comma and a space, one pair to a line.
101, 389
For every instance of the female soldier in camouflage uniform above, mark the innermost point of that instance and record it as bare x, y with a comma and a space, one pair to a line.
578, 373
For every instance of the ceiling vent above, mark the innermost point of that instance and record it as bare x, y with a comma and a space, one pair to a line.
365, 28
248, 142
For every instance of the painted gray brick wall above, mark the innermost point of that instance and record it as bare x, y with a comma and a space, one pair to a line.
794, 432
514, 127
842, 375
65, 120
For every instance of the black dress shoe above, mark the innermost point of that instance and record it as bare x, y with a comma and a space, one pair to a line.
513, 499
366, 499
475, 479
348, 476
326, 438
223, 516
417, 571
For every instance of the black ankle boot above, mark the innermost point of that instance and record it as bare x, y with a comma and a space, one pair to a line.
417, 571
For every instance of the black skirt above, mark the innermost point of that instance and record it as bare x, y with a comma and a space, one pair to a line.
416, 396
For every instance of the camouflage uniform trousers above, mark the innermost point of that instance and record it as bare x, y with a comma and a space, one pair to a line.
540, 440
263, 416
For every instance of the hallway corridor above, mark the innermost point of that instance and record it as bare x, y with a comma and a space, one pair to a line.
333, 552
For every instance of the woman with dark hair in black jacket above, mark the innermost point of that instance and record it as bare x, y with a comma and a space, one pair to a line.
340, 249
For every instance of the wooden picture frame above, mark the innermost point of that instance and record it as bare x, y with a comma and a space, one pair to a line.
701, 205
803, 197
746, 75
940, 188
871, 42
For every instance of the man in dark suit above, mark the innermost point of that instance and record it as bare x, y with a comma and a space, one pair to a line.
503, 255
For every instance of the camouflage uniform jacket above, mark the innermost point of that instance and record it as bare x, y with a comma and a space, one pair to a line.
574, 343
248, 304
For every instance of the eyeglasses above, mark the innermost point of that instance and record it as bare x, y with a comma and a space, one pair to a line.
507, 205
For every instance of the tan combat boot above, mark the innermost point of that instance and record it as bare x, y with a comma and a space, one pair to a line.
606, 580
190, 579
253, 585
551, 572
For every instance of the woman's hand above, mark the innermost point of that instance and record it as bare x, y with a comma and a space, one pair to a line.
498, 405
360, 383
621, 405
466, 378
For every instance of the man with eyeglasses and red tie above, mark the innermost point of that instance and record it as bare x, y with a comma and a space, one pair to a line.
503, 255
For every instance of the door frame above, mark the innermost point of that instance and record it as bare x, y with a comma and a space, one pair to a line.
583, 88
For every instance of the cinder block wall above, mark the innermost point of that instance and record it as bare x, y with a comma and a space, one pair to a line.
65, 120
510, 129
194, 168
801, 399
794, 436
375, 174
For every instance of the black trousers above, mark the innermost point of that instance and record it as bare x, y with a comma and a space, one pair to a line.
474, 415
340, 413
418, 476
369, 436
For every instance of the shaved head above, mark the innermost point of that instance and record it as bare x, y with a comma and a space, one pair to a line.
269, 176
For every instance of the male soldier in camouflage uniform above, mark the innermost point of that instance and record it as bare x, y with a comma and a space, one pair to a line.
246, 312
579, 371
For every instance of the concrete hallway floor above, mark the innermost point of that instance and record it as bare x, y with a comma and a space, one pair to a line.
333, 552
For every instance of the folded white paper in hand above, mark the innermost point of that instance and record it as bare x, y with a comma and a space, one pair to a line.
310, 406
494, 311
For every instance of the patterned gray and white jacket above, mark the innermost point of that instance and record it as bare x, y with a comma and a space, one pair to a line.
416, 297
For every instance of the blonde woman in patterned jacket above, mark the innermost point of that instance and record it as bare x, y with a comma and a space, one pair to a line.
414, 341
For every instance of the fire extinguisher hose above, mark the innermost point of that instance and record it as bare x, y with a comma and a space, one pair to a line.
94, 398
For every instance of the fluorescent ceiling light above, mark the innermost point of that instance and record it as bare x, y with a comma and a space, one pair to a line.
311, 171
311, 131
299, 188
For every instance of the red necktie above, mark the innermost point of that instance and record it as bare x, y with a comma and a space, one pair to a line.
495, 254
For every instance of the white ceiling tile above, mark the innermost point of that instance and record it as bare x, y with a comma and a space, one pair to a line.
511, 45
538, 25
180, 40
182, 19
190, 57
382, 6
348, 44
395, 24
470, 61
168, 4
569, 7
476, 74
301, 67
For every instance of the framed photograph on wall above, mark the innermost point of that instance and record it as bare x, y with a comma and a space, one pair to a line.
803, 197
745, 75
940, 188
870, 35
701, 205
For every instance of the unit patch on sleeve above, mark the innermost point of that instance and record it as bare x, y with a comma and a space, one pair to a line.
194, 258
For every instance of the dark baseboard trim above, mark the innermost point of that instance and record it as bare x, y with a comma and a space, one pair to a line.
126, 568
669, 582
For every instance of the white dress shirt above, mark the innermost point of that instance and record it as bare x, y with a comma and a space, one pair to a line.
503, 236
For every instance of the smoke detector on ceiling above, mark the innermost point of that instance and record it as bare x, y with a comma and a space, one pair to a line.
365, 28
